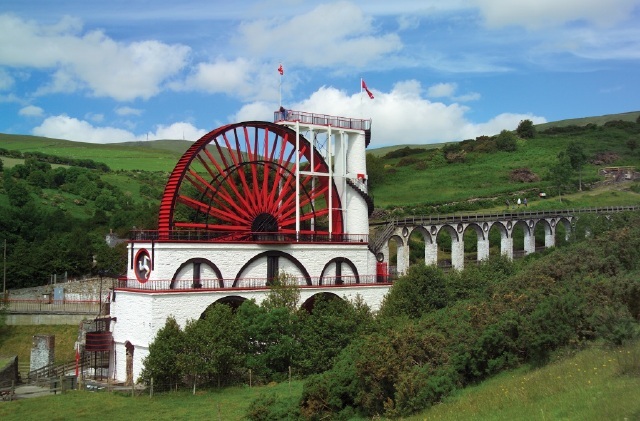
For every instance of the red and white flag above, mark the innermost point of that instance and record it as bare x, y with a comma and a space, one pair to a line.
281, 70
364, 86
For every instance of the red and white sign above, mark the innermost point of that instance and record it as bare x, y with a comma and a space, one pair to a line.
142, 266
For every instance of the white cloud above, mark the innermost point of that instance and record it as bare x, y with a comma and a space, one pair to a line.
442, 90
125, 111
448, 90
180, 130
31, 111
123, 71
536, 14
401, 116
6, 81
69, 128
323, 37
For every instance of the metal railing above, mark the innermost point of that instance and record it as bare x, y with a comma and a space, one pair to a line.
322, 120
243, 283
20, 306
246, 237
520, 214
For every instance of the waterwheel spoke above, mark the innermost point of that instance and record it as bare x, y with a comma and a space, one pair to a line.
242, 177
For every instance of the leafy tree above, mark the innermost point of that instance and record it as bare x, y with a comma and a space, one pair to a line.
161, 363
507, 141
526, 129
16, 190
328, 329
271, 330
421, 290
283, 292
211, 346
375, 170
632, 144
560, 173
577, 159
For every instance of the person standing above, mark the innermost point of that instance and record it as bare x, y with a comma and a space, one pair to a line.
519, 202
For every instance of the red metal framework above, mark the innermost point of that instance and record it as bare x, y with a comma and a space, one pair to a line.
241, 178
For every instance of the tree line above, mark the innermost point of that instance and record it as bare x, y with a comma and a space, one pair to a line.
45, 235
436, 331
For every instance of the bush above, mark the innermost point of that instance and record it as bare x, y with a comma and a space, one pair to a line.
269, 407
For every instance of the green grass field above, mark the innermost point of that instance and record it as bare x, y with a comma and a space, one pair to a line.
16, 340
594, 384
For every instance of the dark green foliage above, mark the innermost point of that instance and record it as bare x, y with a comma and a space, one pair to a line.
526, 129
47, 159
210, 346
161, 363
506, 141
328, 329
269, 407
422, 290
402, 152
375, 170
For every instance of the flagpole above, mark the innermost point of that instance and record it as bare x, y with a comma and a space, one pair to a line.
280, 88
361, 105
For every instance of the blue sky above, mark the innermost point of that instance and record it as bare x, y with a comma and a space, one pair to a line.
121, 70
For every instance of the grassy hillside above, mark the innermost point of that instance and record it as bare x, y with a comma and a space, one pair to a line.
17, 340
598, 120
592, 385
160, 155
418, 185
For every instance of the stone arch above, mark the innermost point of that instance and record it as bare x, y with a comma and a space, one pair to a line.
338, 262
195, 265
272, 266
499, 233
522, 236
481, 246
233, 301
456, 249
399, 253
564, 228
424, 242
543, 235
310, 302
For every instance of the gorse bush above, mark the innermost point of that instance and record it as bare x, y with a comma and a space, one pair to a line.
511, 314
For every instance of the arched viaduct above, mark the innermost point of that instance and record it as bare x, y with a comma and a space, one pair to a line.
431, 228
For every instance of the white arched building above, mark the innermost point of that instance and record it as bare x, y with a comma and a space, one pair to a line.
245, 202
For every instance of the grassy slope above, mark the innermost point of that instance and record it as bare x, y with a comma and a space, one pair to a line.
16, 340
587, 386
599, 120
148, 156
592, 385
228, 404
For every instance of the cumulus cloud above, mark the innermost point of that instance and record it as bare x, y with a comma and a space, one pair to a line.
69, 128
448, 90
535, 14
126, 111
6, 81
320, 37
401, 116
180, 130
91, 60
31, 111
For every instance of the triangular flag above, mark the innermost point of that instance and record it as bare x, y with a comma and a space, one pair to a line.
364, 86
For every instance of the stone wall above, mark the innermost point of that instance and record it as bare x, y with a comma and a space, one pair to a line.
77, 290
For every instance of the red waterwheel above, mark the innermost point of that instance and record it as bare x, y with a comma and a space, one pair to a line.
239, 180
